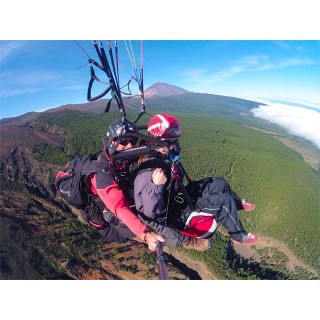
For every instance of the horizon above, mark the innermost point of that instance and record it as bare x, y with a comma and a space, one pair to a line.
299, 104
297, 119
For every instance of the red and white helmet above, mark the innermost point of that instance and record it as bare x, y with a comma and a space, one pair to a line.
164, 126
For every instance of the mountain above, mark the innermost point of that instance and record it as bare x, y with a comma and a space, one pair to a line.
173, 98
161, 89
159, 96
88, 107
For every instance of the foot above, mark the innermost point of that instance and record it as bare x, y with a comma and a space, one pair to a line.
197, 244
248, 239
248, 206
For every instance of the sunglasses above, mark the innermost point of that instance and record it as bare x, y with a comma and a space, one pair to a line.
127, 141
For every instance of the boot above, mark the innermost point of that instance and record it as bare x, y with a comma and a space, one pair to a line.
197, 244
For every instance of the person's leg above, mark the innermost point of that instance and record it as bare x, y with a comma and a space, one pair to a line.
223, 207
173, 236
112, 233
224, 186
111, 230
217, 185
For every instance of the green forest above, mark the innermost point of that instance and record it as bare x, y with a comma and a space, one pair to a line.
259, 168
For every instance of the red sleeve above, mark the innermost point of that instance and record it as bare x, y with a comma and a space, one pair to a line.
116, 202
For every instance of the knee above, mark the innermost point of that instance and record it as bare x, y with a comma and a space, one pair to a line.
221, 182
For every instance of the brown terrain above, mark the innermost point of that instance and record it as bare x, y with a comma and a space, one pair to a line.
311, 157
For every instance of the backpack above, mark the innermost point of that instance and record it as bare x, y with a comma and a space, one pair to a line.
73, 186
72, 181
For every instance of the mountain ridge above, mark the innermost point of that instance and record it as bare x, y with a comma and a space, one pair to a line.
159, 94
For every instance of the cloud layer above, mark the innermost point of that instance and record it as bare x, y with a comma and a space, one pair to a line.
298, 121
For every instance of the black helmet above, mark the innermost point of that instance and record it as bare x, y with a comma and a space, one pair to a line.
116, 130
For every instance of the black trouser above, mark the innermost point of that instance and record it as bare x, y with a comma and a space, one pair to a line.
114, 230
214, 195
213, 185
117, 234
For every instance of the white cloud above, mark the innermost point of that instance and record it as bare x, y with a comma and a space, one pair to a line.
27, 77
74, 87
296, 120
251, 63
8, 48
17, 92
283, 44
14, 83
259, 63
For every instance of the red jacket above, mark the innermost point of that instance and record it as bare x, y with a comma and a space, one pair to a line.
115, 200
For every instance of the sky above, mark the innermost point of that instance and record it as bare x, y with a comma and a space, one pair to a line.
36, 75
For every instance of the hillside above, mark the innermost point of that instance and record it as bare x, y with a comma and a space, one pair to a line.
45, 236
20, 120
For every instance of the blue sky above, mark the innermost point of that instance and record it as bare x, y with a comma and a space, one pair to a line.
36, 75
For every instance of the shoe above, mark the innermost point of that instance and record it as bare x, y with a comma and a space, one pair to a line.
248, 206
197, 244
248, 239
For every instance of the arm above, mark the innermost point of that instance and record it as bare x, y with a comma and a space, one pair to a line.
114, 199
116, 202
148, 192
